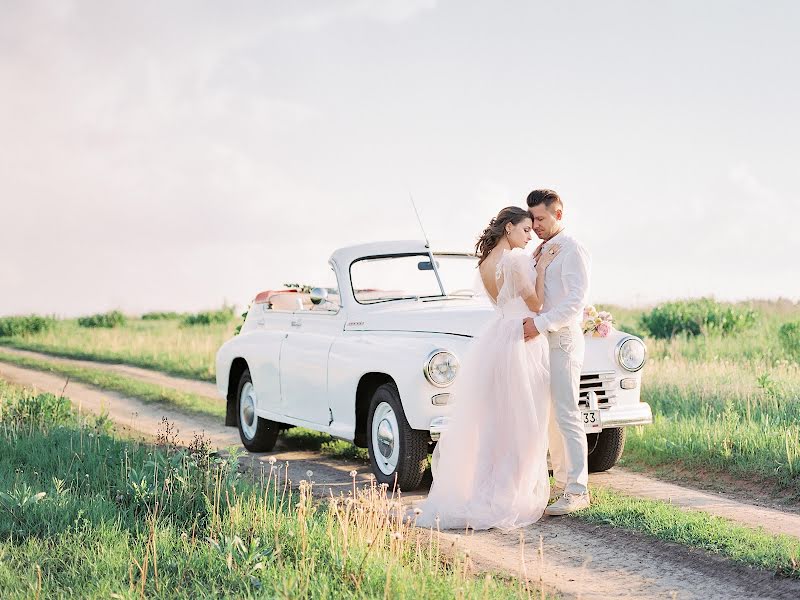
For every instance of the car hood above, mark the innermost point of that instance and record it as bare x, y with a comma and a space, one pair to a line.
459, 317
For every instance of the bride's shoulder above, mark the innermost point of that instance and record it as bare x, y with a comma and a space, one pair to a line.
517, 256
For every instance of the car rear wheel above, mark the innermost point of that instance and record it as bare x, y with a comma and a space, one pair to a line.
608, 449
257, 434
396, 451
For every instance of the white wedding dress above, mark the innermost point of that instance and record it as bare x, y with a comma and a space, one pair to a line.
490, 465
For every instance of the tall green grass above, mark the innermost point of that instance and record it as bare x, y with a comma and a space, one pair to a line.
83, 514
737, 418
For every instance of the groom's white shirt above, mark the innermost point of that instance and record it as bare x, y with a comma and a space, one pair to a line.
566, 285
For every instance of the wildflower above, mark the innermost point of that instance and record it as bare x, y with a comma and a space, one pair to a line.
272, 460
397, 535
417, 511
353, 473
384, 486
371, 476
309, 473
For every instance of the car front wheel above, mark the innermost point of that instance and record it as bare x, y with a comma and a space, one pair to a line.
608, 448
257, 434
395, 449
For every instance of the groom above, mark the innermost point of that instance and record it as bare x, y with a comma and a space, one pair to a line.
566, 287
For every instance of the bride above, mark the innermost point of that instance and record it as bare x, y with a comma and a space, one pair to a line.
490, 465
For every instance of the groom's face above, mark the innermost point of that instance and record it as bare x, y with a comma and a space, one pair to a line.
546, 221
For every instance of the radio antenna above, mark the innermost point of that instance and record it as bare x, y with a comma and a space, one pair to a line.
434, 267
416, 212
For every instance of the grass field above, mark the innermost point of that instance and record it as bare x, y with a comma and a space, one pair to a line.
83, 514
725, 404
164, 345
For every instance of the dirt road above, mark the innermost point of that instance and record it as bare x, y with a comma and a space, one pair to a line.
579, 561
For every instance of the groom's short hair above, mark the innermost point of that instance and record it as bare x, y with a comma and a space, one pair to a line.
546, 197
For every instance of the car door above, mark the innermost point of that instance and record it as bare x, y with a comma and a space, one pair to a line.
304, 365
272, 327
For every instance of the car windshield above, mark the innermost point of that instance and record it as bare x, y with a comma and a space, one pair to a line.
411, 276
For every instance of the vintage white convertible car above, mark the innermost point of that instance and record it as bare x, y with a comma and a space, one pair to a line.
369, 356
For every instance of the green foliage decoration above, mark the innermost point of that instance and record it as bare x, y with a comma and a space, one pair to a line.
303, 288
108, 320
695, 317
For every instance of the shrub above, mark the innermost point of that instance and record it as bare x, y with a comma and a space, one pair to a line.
38, 410
109, 320
160, 316
789, 334
224, 315
694, 317
12, 326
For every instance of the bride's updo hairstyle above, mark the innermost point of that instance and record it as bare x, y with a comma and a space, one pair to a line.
492, 235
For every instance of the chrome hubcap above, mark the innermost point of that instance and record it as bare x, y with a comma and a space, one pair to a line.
385, 438
385, 447
247, 410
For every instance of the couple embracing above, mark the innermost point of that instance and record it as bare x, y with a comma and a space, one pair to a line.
518, 394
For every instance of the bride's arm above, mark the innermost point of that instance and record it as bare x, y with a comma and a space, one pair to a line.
545, 258
532, 301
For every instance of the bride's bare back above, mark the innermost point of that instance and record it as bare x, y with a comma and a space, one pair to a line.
488, 270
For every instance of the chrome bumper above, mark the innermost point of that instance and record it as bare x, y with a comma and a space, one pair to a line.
617, 416
437, 426
626, 416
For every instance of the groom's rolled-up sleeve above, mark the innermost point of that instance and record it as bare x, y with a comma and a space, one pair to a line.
575, 276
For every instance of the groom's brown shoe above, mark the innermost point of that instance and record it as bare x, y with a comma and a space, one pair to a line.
568, 503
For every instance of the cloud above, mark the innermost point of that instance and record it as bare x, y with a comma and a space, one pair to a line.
330, 12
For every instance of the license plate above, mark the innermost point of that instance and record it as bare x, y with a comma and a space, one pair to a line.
591, 420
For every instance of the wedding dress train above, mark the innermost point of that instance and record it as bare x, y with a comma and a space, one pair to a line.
490, 465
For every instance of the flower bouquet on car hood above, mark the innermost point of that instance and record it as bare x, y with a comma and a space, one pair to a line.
598, 324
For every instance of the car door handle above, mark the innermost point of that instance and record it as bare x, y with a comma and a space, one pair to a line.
296, 322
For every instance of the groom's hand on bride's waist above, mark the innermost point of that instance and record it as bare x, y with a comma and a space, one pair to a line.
529, 329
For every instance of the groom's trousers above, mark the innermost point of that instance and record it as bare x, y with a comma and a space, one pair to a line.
567, 437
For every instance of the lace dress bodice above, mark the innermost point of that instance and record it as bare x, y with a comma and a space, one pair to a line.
515, 275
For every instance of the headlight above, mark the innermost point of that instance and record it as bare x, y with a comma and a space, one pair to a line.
631, 353
441, 368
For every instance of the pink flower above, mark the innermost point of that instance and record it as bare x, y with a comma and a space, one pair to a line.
604, 329
604, 315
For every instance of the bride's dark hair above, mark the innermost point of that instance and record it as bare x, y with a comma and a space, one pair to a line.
497, 229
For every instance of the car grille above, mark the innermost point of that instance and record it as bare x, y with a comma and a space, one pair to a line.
602, 384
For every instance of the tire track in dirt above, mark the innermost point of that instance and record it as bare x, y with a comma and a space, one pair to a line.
579, 560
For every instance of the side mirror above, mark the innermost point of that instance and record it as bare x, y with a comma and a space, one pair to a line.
426, 265
318, 296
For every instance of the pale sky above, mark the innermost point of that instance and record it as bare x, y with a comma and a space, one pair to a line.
174, 155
